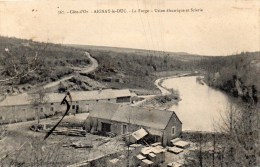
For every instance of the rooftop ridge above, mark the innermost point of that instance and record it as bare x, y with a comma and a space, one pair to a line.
146, 117
24, 98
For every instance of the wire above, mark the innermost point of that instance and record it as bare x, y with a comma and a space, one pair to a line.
145, 33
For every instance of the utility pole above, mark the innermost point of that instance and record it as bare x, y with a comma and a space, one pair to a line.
128, 151
200, 151
214, 147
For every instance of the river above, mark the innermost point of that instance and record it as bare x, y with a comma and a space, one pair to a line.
201, 107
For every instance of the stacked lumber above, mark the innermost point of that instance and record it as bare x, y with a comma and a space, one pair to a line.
79, 145
70, 132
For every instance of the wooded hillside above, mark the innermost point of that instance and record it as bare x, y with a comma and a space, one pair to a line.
236, 74
53, 60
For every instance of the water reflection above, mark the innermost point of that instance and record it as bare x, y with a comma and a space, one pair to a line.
200, 106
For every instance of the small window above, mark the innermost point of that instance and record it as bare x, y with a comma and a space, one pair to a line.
73, 106
124, 129
77, 108
51, 109
51, 103
87, 107
41, 109
96, 100
173, 130
108, 99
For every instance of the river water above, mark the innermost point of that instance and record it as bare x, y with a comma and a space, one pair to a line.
201, 107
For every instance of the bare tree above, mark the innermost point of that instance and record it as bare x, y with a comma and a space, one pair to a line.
235, 145
196, 157
35, 152
240, 125
38, 101
17, 67
17, 64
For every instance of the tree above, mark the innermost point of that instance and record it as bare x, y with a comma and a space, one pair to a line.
14, 66
242, 130
235, 142
198, 157
18, 65
38, 100
35, 152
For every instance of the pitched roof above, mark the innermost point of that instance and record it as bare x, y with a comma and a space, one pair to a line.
20, 99
139, 134
104, 111
24, 98
153, 118
92, 95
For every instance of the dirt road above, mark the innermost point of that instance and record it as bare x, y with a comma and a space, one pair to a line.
93, 66
162, 89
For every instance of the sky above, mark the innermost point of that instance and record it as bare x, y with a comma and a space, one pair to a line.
222, 28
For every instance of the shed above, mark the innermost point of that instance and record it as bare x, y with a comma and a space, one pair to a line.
137, 135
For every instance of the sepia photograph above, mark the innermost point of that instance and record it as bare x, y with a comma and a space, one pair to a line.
129, 83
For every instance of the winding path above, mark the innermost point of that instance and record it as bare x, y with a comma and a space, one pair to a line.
93, 66
164, 90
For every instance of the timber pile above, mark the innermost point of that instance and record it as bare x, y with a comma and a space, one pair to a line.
79, 145
69, 132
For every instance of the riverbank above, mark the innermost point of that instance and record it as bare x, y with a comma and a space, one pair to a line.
167, 97
200, 107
